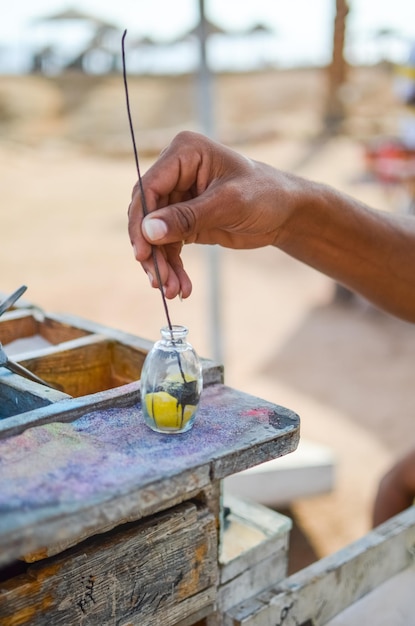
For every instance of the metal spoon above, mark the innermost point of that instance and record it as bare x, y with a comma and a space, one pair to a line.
16, 368
8, 302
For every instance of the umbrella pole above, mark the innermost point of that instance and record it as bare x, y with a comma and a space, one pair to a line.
206, 117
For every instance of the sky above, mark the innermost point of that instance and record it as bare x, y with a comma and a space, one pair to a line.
305, 39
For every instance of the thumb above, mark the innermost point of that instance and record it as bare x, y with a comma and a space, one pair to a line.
178, 222
154, 228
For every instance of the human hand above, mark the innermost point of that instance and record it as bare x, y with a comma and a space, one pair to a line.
396, 490
199, 191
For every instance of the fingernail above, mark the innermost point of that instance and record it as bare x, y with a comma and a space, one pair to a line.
150, 277
154, 229
180, 296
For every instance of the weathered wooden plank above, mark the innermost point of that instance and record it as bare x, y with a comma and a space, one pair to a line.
254, 453
252, 581
154, 572
213, 373
319, 592
258, 450
390, 604
55, 330
197, 619
22, 323
211, 497
17, 324
59, 477
254, 550
126, 363
80, 367
23, 536
126, 395
252, 534
86, 365
71, 409
121, 397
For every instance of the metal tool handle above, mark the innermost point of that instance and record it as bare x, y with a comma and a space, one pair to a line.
8, 302
16, 368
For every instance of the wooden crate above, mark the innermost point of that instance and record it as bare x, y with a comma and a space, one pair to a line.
157, 571
103, 521
77, 361
100, 365
24, 325
254, 550
87, 365
317, 594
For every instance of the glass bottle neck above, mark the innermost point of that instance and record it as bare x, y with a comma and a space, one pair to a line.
175, 334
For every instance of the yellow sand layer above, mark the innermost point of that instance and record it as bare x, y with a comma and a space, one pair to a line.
166, 411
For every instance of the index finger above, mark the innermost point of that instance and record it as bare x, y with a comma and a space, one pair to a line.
169, 180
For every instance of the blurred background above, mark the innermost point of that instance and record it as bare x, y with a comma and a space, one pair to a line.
317, 88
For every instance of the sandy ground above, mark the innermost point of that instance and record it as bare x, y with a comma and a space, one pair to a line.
346, 369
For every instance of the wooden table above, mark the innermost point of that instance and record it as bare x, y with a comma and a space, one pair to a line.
103, 521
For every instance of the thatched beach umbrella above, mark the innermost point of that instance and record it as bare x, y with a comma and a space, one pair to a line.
205, 28
74, 15
99, 40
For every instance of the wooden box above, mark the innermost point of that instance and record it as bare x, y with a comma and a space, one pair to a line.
317, 594
157, 571
72, 358
23, 326
254, 550
103, 521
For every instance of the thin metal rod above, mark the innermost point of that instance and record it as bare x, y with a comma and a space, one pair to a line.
16, 368
144, 203
140, 181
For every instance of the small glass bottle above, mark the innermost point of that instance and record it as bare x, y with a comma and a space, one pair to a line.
171, 382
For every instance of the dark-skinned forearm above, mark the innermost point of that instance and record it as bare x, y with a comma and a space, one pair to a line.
371, 252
